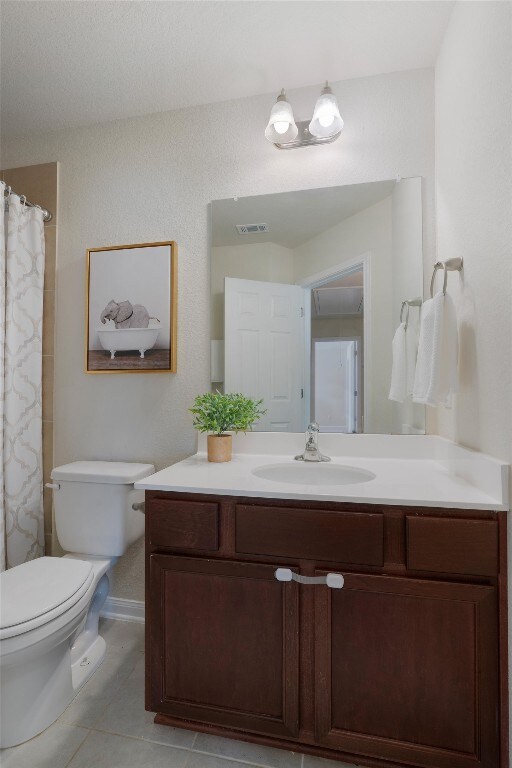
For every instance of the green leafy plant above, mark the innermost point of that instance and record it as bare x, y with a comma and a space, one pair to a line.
218, 413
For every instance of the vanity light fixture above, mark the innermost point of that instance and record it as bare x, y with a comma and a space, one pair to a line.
324, 127
326, 120
281, 126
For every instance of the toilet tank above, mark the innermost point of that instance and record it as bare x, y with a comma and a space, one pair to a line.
93, 506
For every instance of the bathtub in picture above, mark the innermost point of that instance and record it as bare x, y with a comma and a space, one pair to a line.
128, 339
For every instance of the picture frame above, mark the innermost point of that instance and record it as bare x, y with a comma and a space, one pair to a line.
131, 308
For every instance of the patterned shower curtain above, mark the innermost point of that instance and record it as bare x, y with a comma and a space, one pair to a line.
21, 324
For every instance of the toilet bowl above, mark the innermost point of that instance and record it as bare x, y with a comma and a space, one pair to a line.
50, 607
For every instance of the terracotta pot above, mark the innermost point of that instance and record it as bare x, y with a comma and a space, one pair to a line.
220, 447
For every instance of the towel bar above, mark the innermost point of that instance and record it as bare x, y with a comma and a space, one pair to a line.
451, 265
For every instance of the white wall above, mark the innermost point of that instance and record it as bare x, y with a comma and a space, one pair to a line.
407, 281
474, 220
369, 231
336, 327
150, 179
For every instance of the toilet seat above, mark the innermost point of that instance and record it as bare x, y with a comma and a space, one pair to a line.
35, 593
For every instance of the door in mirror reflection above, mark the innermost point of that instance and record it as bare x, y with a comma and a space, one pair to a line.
335, 394
307, 288
264, 337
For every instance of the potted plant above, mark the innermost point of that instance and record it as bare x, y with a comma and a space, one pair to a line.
220, 414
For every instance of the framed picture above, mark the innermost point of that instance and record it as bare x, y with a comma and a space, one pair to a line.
131, 297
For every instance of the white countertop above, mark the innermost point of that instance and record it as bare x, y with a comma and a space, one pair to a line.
417, 470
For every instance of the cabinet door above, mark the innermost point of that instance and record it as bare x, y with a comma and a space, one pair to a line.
223, 644
407, 670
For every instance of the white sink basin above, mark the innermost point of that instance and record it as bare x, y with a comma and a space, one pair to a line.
311, 473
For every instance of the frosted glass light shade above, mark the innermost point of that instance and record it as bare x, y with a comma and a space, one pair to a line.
281, 126
326, 120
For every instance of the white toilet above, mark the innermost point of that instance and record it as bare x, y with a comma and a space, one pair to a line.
50, 607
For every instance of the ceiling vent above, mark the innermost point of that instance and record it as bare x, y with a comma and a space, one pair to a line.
251, 229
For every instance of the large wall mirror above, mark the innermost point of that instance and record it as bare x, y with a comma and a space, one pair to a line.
307, 290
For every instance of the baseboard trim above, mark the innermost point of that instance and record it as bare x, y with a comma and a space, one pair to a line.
124, 610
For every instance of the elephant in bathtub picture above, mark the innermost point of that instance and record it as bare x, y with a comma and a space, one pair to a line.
126, 315
136, 332
132, 331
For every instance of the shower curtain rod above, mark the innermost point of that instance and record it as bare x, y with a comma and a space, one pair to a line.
47, 215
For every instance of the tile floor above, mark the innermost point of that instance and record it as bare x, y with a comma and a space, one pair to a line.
106, 725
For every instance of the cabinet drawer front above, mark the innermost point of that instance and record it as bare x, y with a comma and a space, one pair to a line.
452, 546
183, 524
311, 534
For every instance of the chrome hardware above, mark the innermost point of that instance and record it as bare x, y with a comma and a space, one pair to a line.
451, 265
332, 580
47, 215
417, 302
139, 506
53, 486
311, 451
305, 138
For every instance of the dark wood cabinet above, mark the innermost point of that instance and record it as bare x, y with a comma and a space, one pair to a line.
404, 666
408, 670
224, 644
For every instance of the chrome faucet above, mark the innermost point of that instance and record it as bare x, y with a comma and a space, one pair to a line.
311, 452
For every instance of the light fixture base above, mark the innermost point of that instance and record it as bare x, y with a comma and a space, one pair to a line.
305, 138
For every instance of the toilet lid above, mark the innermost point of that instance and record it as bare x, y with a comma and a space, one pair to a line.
36, 588
109, 472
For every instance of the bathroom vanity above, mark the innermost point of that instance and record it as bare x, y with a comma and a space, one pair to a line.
405, 664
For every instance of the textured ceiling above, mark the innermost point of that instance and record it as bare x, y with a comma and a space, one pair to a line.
78, 62
293, 217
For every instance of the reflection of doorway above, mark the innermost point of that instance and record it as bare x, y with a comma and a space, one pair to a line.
335, 382
269, 330
338, 317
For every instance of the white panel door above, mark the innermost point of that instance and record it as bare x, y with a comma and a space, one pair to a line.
335, 385
264, 349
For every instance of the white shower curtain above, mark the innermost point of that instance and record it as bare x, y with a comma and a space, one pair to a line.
21, 324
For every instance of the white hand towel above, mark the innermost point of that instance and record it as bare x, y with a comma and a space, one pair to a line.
436, 367
398, 388
404, 350
411, 341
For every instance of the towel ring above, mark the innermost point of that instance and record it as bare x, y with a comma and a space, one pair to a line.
405, 304
417, 302
451, 265
439, 265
